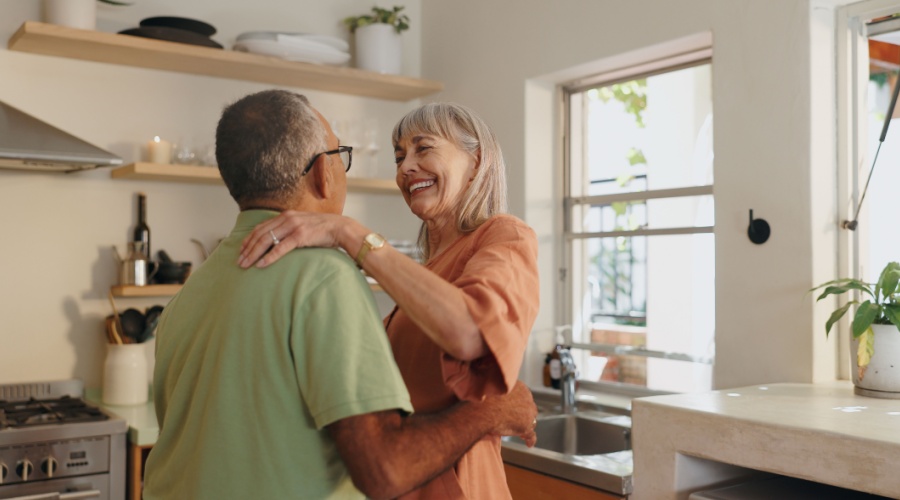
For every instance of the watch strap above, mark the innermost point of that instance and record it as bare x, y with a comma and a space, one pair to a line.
368, 246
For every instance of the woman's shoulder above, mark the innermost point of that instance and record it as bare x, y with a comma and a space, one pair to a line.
505, 227
504, 221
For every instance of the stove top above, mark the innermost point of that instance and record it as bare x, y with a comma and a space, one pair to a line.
34, 412
54, 444
45, 411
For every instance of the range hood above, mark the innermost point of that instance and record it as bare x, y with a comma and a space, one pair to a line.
27, 143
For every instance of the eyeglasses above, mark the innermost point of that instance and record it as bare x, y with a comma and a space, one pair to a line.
346, 153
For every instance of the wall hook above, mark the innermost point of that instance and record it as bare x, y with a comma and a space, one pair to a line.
759, 230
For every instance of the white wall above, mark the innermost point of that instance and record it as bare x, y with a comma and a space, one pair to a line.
492, 56
55, 258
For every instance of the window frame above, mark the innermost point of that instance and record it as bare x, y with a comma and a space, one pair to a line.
661, 63
852, 70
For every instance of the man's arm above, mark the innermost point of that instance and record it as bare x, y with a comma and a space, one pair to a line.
388, 454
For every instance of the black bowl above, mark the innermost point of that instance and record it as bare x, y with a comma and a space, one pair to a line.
172, 35
181, 23
172, 272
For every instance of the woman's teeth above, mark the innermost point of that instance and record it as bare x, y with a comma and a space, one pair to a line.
420, 185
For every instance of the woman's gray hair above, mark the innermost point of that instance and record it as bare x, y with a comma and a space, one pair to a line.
263, 141
486, 194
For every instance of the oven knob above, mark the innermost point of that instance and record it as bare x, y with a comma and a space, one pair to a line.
24, 469
3, 471
48, 466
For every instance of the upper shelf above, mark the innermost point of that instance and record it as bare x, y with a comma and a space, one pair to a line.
210, 175
50, 39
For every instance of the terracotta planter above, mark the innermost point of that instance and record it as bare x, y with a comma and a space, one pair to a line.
881, 378
378, 49
81, 14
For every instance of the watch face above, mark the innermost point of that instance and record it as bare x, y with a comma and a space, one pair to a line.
374, 240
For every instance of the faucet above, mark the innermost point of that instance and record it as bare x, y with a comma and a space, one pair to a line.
567, 376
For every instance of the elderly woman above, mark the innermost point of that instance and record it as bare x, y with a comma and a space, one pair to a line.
462, 320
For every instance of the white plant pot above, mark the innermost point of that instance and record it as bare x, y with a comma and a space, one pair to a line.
882, 377
81, 14
378, 49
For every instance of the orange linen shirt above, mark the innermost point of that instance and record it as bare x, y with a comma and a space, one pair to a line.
496, 268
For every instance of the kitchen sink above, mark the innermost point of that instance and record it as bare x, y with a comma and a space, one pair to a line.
592, 448
582, 434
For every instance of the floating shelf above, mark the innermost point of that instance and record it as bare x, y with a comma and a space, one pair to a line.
145, 290
170, 290
210, 175
98, 46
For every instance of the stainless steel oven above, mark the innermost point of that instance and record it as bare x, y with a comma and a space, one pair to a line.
54, 445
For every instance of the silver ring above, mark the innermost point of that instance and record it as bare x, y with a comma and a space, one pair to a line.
534, 424
275, 239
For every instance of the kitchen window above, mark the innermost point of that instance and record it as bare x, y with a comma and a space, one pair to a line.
639, 256
868, 58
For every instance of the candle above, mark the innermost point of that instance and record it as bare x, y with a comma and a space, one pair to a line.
159, 151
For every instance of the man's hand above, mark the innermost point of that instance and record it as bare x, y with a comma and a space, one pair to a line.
515, 414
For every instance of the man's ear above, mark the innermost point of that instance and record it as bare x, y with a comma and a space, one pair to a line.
321, 178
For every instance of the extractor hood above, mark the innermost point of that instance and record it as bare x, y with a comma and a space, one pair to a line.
27, 143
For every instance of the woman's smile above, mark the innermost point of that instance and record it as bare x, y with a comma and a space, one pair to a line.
416, 187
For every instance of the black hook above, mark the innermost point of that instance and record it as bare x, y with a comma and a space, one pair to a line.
759, 230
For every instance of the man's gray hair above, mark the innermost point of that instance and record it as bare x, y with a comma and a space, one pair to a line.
263, 141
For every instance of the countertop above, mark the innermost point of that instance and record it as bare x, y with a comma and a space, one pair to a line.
818, 432
142, 426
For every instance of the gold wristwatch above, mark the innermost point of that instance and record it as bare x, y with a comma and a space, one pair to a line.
372, 242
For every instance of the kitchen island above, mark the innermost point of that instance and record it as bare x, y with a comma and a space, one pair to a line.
822, 432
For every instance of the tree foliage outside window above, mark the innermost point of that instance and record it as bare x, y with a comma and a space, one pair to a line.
615, 264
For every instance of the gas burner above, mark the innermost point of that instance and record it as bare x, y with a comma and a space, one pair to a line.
34, 412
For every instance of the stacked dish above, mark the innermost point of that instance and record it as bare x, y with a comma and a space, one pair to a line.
319, 49
175, 29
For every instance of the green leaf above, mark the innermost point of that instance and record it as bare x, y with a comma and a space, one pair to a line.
888, 281
892, 313
623, 179
865, 315
836, 315
839, 289
832, 282
865, 351
635, 157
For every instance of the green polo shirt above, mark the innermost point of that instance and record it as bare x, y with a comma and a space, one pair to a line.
251, 365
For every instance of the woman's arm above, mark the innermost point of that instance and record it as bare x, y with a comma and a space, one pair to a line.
435, 305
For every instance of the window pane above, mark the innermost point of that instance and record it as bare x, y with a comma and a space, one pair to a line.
654, 292
661, 124
879, 239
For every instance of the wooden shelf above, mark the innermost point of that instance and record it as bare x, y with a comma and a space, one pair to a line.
98, 46
169, 290
145, 291
374, 186
172, 173
210, 175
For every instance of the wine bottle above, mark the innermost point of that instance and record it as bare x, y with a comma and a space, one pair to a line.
141, 229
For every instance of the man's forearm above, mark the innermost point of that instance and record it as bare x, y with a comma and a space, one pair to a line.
391, 455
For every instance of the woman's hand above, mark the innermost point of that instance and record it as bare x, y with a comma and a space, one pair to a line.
293, 230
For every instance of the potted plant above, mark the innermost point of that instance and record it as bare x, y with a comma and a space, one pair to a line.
378, 46
876, 331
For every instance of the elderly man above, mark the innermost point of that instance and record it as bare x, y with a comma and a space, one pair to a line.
280, 382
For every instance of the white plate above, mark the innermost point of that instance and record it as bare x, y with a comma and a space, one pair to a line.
311, 52
333, 41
